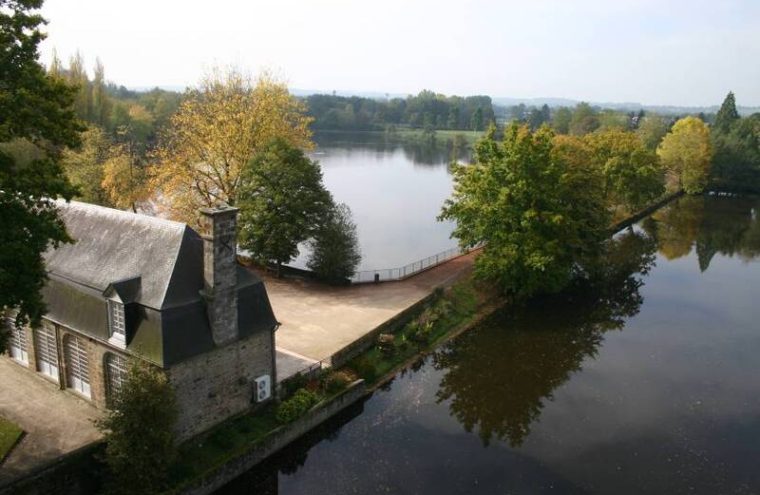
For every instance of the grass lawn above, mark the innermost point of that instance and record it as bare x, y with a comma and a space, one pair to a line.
9, 435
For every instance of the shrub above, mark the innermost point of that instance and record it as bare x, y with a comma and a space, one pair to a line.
296, 406
336, 381
365, 368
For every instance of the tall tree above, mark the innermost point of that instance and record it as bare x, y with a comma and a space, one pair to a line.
139, 432
215, 133
335, 246
686, 154
651, 130
727, 115
101, 104
633, 176
539, 216
124, 179
584, 120
37, 109
84, 165
282, 202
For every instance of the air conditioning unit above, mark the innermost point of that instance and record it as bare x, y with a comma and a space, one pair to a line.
263, 389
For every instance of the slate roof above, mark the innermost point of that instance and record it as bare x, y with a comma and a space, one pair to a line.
114, 246
155, 266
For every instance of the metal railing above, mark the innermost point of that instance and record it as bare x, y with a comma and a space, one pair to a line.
392, 274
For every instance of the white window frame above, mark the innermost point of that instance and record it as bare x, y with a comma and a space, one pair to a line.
116, 374
77, 365
19, 343
46, 351
117, 322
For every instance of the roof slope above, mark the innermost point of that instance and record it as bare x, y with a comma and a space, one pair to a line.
112, 245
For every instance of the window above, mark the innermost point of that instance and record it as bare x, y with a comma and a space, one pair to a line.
77, 365
47, 351
116, 374
116, 321
18, 344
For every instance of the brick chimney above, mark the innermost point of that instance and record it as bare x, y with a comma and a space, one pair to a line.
219, 233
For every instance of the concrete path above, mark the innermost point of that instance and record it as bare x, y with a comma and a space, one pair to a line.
319, 320
55, 422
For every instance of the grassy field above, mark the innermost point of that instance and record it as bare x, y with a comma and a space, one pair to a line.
9, 435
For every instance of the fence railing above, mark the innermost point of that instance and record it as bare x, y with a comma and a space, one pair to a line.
391, 274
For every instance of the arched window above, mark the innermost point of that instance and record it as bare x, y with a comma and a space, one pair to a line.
18, 344
46, 351
116, 374
77, 365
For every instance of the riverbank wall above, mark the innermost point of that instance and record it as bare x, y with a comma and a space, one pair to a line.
278, 439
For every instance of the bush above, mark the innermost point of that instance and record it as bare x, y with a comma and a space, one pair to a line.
365, 368
336, 381
296, 406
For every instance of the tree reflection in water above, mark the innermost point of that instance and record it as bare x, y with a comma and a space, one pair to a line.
498, 377
711, 224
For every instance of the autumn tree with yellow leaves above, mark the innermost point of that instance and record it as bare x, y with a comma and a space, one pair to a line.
686, 154
217, 130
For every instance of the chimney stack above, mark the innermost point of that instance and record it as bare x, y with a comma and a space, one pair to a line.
219, 234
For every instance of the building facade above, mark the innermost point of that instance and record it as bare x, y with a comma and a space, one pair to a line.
137, 287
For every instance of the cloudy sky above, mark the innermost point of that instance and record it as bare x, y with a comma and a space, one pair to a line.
649, 51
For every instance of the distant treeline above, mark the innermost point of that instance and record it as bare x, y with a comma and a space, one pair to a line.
427, 110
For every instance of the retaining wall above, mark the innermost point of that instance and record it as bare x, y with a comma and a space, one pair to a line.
275, 441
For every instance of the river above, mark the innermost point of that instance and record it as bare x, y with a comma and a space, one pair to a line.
395, 191
646, 381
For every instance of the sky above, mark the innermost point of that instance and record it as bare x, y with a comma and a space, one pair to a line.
652, 52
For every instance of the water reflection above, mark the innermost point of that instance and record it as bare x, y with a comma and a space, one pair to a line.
426, 152
709, 224
498, 378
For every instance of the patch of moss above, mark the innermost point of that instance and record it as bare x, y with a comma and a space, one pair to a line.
10, 433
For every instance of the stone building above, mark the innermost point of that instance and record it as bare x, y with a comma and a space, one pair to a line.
134, 286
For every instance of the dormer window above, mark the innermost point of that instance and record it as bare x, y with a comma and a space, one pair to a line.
116, 322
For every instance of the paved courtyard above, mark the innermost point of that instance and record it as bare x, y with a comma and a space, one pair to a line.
319, 320
55, 422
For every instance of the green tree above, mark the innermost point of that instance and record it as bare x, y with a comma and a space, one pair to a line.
561, 120
686, 154
101, 103
727, 115
633, 176
335, 246
651, 130
736, 160
139, 431
584, 120
539, 216
84, 165
35, 111
282, 202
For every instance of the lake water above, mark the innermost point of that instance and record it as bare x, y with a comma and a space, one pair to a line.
394, 190
647, 381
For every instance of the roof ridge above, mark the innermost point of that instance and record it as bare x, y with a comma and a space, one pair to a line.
127, 215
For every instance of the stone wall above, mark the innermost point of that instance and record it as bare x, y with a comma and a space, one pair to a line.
276, 441
218, 384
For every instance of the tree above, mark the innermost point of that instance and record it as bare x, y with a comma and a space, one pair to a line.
139, 432
633, 176
335, 246
539, 216
727, 115
736, 160
124, 179
584, 120
101, 103
282, 202
686, 153
217, 129
561, 120
35, 114
651, 130
84, 166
